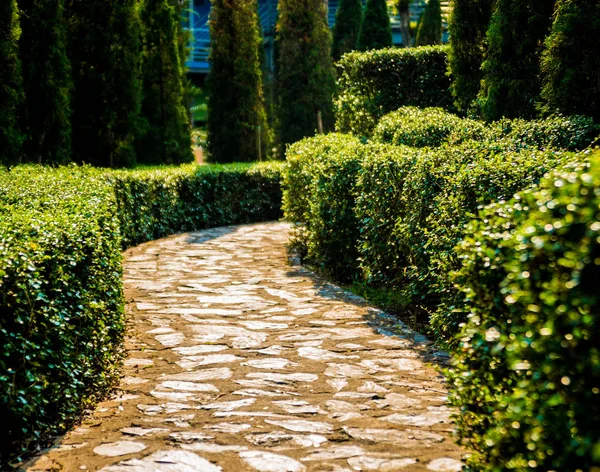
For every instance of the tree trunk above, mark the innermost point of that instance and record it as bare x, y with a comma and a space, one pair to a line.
404, 13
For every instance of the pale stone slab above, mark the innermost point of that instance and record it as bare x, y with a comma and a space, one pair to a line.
269, 462
303, 426
366, 463
220, 373
119, 448
166, 461
445, 464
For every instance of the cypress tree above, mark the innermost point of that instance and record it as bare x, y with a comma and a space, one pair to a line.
105, 54
46, 118
430, 25
305, 72
236, 102
184, 38
571, 62
11, 91
375, 29
468, 23
166, 138
347, 26
511, 85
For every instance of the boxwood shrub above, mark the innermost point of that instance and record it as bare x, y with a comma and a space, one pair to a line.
526, 375
61, 296
61, 300
421, 127
157, 202
374, 83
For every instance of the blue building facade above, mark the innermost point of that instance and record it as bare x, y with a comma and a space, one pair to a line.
199, 11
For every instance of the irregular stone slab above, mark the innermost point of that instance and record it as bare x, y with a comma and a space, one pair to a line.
271, 350
260, 325
365, 463
187, 386
429, 418
269, 462
317, 354
220, 373
372, 387
170, 340
201, 349
398, 401
345, 370
335, 452
119, 448
172, 396
160, 330
133, 380
303, 426
196, 361
230, 428
273, 363
190, 437
276, 439
166, 461
136, 431
283, 378
406, 438
445, 464
255, 392
338, 384
228, 406
138, 362
212, 448
298, 407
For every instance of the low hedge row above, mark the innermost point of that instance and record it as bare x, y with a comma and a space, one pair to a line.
526, 375
522, 290
432, 127
391, 215
374, 83
61, 236
155, 203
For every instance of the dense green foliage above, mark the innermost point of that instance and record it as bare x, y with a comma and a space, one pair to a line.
429, 32
375, 29
468, 23
511, 84
571, 61
526, 375
433, 127
61, 302
11, 90
46, 115
155, 203
235, 83
61, 233
375, 83
347, 26
166, 133
305, 74
104, 50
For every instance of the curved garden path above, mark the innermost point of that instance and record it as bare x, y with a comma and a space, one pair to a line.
240, 362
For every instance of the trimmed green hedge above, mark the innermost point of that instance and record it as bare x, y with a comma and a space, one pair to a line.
432, 127
155, 203
61, 236
526, 375
61, 299
374, 83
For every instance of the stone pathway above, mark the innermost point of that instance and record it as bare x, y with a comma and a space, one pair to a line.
240, 362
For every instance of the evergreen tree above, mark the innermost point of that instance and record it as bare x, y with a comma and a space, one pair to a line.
511, 85
468, 23
236, 102
571, 63
46, 117
403, 8
11, 91
105, 52
430, 25
347, 26
305, 73
184, 38
375, 29
166, 138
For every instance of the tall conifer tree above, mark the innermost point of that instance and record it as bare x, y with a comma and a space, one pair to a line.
468, 23
105, 51
46, 116
347, 26
11, 91
430, 25
375, 29
236, 102
306, 82
511, 84
166, 138
571, 61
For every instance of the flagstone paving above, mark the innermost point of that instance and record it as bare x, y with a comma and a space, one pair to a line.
239, 361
